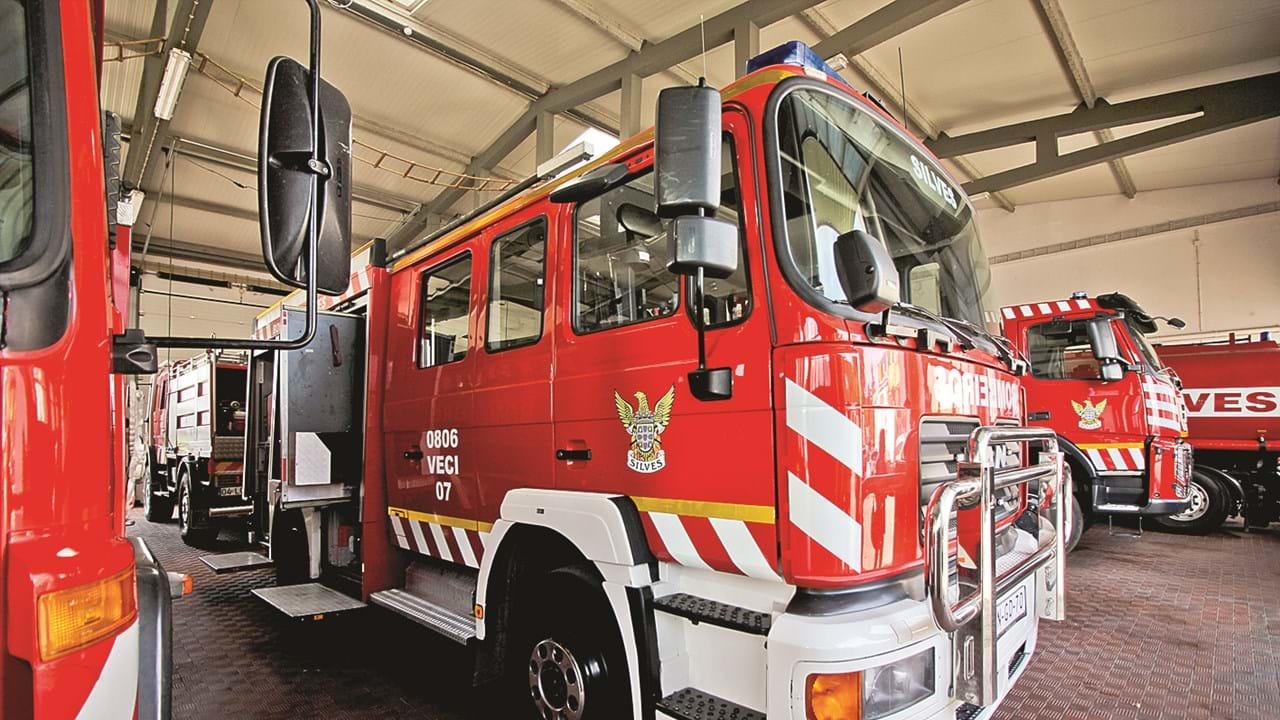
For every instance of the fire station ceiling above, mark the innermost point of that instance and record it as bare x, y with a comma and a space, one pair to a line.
436, 85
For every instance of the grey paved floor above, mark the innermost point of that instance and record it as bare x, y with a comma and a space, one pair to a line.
1160, 627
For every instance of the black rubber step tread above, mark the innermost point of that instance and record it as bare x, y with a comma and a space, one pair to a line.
700, 609
693, 704
968, 712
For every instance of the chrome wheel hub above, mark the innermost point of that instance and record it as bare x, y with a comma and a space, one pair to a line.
184, 507
556, 682
1199, 504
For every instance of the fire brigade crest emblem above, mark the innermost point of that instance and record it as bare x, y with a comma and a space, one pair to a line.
645, 427
1090, 414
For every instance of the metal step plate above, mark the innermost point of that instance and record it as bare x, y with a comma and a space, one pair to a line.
725, 615
311, 601
694, 704
231, 562
458, 628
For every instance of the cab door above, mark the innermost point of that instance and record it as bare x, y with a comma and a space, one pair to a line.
699, 472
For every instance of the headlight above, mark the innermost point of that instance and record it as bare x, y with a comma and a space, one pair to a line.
872, 693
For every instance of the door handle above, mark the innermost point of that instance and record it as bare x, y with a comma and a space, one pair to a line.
564, 454
413, 454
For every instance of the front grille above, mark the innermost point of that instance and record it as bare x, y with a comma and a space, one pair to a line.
942, 442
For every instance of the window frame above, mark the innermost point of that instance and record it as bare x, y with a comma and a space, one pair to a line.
634, 174
687, 285
1048, 378
464, 256
488, 299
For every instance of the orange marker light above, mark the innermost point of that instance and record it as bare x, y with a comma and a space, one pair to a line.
834, 697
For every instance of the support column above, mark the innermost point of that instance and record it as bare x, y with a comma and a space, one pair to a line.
545, 137
632, 86
746, 45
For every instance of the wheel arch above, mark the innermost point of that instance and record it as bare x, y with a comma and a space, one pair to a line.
1083, 473
1231, 485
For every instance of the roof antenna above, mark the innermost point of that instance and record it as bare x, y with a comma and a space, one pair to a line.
702, 28
902, 85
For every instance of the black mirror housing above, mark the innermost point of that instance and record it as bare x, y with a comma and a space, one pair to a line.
288, 178
866, 271
697, 242
687, 141
1102, 340
590, 184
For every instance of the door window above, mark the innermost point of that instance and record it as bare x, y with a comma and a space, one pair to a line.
446, 307
1060, 350
517, 279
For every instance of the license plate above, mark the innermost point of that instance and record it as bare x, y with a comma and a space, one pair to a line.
1010, 610
228, 491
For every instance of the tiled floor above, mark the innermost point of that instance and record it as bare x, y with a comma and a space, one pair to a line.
1162, 626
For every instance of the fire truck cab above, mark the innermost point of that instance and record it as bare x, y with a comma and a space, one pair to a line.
714, 424
1099, 384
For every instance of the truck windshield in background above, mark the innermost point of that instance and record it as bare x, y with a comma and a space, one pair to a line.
843, 169
1144, 345
15, 132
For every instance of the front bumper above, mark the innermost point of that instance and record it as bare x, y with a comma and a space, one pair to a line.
861, 639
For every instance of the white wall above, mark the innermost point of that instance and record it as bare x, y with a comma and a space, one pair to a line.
1233, 285
221, 313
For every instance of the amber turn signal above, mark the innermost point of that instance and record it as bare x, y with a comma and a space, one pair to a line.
834, 697
70, 619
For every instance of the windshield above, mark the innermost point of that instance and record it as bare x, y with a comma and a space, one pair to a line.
1144, 345
844, 169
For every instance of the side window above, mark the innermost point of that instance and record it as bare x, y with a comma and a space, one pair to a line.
621, 272
445, 306
1060, 351
517, 271
17, 198
727, 301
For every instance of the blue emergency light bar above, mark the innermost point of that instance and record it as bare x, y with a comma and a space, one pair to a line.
795, 53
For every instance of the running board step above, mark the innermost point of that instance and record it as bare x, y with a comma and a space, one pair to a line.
453, 625
700, 609
693, 704
311, 601
231, 562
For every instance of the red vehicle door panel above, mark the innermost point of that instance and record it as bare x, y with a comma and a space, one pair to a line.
700, 472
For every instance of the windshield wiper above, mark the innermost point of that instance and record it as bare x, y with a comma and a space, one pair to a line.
925, 337
966, 333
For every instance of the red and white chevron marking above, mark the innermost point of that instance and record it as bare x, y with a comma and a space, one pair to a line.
1116, 457
451, 543
1052, 307
834, 443
713, 543
1164, 404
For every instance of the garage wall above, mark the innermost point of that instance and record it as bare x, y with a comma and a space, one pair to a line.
197, 310
1209, 254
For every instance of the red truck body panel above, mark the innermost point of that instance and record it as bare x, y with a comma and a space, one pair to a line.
1232, 392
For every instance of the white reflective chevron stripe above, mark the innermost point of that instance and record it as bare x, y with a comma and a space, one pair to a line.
1095, 457
1044, 308
1008, 313
1082, 304
1117, 459
1025, 310
464, 546
442, 545
742, 549
1063, 305
1165, 423
416, 528
401, 540
1139, 461
828, 525
115, 692
828, 428
674, 536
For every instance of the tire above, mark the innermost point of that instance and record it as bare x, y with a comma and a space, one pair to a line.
156, 508
289, 548
1075, 523
1209, 506
193, 535
566, 658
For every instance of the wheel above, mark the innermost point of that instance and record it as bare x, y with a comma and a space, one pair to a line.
156, 508
193, 535
1075, 523
1208, 509
574, 666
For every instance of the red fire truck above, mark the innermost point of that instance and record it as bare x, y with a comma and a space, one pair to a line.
84, 611
710, 427
1098, 383
1233, 402
197, 444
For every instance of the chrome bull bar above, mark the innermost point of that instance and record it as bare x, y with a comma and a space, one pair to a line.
972, 618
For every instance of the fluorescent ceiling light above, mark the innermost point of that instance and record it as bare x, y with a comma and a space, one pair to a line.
175, 73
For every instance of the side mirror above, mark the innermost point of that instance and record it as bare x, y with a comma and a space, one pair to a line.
697, 242
1177, 323
288, 179
866, 271
687, 139
1102, 340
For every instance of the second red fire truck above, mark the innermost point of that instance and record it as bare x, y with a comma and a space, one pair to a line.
710, 427
1099, 384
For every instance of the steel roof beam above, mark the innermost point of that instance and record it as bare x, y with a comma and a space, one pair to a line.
1217, 107
152, 134
888, 22
616, 30
1073, 62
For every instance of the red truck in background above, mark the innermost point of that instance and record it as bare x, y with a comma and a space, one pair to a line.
1232, 391
1098, 383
